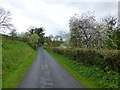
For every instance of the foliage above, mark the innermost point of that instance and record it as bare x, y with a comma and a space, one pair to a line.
65, 38
104, 59
87, 32
48, 41
11, 78
16, 58
88, 76
31, 30
24, 36
40, 32
33, 40
113, 41
54, 41
35, 36
12, 52
13, 33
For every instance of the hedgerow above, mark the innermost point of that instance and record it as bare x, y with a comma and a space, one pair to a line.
104, 59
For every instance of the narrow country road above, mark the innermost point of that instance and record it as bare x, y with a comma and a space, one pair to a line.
45, 72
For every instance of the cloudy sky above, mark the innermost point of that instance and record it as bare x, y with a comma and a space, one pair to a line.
54, 15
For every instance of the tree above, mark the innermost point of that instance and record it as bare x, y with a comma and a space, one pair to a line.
5, 18
33, 40
73, 23
58, 38
82, 28
40, 33
13, 33
65, 38
57, 41
25, 36
51, 37
87, 32
48, 41
63, 35
112, 40
31, 30
110, 22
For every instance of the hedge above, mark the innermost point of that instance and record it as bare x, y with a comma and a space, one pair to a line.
104, 59
6, 37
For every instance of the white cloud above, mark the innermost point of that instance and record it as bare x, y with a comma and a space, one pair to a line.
20, 22
52, 15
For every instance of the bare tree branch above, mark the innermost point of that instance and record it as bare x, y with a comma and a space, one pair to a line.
5, 20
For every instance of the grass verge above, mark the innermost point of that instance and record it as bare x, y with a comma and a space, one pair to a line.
12, 77
88, 76
17, 58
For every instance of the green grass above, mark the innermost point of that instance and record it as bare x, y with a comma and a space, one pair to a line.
88, 76
0, 62
16, 59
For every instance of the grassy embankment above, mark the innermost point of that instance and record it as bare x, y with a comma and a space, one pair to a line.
0, 62
88, 76
16, 59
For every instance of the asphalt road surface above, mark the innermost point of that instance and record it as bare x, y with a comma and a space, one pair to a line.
46, 72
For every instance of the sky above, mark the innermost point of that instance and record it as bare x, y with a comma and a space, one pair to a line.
54, 15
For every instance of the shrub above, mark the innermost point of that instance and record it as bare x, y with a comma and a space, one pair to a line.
104, 59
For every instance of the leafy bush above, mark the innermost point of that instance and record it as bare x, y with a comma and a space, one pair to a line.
104, 59
88, 76
33, 41
113, 42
